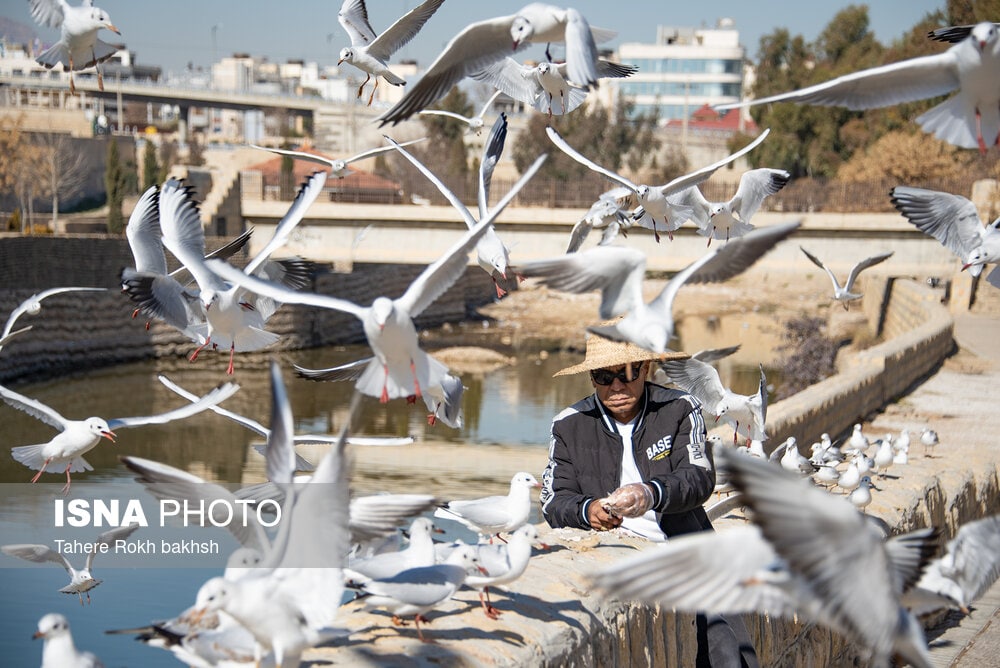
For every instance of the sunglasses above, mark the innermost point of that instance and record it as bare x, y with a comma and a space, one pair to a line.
606, 376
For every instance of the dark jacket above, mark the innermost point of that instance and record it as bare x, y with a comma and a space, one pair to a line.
585, 460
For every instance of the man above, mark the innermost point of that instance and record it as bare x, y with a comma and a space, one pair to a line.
633, 455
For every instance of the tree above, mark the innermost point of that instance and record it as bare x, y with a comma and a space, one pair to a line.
114, 183
168, 157
967, 12
444, 152
908, 158
63, 168
150, 166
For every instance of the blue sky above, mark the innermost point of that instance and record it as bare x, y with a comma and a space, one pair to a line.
171, 34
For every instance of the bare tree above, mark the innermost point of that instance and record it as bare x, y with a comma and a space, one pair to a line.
62, 167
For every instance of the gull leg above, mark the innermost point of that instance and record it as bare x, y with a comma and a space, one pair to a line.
197, 350
710, 237
979, 133
656, 235
488, 608
362, 86
384, 399
135, 313
97, 66
416, 381
65, 489
372, 96
232, 352
416, 620
500, 291
42, 470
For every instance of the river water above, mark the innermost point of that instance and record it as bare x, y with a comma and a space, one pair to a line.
509, 405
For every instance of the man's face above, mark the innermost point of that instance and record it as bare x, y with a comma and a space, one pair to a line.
623, 391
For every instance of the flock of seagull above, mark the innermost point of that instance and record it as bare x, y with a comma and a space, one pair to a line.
281, 592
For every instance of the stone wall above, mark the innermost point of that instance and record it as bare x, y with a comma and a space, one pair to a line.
80, 330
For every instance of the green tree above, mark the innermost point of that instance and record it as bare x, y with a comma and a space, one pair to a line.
150, 166
114, 184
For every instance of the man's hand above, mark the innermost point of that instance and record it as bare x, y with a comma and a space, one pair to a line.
600, 516
631, 500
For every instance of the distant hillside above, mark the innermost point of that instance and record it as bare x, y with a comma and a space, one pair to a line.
16, 32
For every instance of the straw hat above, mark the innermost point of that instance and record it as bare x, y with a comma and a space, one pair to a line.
602, 352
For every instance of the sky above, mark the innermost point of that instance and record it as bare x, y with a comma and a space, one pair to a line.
172, 34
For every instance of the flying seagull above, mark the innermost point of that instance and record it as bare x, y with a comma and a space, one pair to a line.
844, 294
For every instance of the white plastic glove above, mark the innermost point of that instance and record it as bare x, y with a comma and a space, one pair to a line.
631, 500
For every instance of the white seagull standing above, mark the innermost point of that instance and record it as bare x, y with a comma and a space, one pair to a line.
969, 119
339, 167
59, 650
544, 86
81, 581
368, 51
492, 514
501, 564
619, 272
78, 47
656, 202
400, 368
235, 320
77, 437
33, 306
954, 221
722, 220
485, 42
844, 294
476, 123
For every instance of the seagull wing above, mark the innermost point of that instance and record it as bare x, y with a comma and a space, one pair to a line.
183, 234
697, 378
38, 554
951, 219
109, 538
441, 274
219, 393
975, 556
478, 45
816, 261
864, 264
403, 30
380, 515
953, 34
33, 407
299, 155
28, 303
715, 354
353, 17
755, 185
470, 221
512, 78
143, 233
279, 292
697, 176
48, 13
280, 451
734, 571
589, 164
700, 207
164, 482
378, 150
307, 194
905, 81
252, 425
616, 271
491, 156
349, 371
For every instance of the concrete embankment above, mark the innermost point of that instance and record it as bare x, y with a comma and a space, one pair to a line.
552, 617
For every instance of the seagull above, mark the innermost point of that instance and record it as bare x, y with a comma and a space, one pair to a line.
954, 221
235, 319
969, 566
544, 86
655, 202
156, 292
605, 213
696, 376
33, 306
338, 168
857, 443
78, 47
491, 253
718, 220
77, 437
884, 457
485, 42
850, 478
399, 368
491, 515
369, 52
501, 564
59, 650
475, 123
861, 497
619, 272
929, 438
793, 461
81, 581
419, 553
969, 119
418, 590
844, 294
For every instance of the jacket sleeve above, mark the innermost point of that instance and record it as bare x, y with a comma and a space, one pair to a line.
563, 504
692, 480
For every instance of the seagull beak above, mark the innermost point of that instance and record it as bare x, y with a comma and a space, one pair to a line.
965, 266
482, 570
110, 435
37, 634
340, 61
113, 29
515, 44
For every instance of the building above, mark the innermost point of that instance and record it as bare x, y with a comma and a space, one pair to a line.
685, 69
